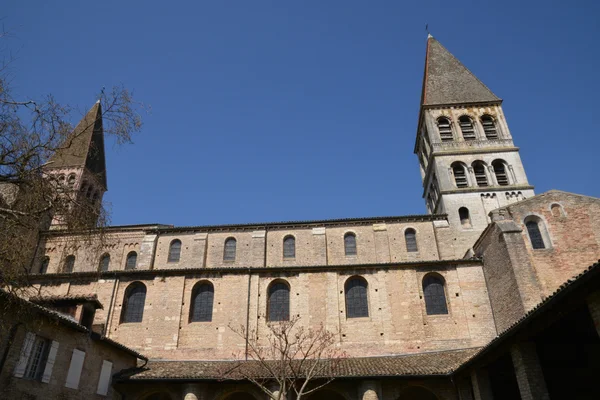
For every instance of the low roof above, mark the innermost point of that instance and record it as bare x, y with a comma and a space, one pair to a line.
68, 299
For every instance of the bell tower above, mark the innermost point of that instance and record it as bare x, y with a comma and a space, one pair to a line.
469, 163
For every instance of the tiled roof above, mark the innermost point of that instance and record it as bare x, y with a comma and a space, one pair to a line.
422, 364
68, 298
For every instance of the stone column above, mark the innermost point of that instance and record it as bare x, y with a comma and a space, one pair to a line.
482, 389
529, 372
593, 303
369, 390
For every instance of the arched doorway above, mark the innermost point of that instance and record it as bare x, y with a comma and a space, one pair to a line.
325, 394
417, 393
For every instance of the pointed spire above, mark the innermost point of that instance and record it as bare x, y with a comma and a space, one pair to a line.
448, 81
84, 147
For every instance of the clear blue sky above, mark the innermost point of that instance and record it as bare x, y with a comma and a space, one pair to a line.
291, 110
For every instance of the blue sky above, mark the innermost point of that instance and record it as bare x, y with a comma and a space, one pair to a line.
293, 110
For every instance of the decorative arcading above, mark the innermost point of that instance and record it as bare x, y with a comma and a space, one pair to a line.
440, 146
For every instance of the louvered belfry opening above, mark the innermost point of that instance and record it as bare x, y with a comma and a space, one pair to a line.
445, 129
489, 127
460, 176
500, 171
480, 175
467, 128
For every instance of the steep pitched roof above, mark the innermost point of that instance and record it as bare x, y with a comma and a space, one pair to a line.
85, 146
448, 81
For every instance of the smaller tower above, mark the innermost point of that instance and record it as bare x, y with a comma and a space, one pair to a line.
79, 163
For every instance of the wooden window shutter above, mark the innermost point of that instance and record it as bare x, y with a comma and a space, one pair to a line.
50, 362
24, 356
75, 368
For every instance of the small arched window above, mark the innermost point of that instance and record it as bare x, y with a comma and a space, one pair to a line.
489, 127
278, 308
131, 262
480, 174
537, 232
229, 251
410, 237
445, 129
44, 265
71, 181
434, 294
201, 309
289, 247
61, 179
460, 175
465, 218
466, 127
357, 302
133, 303
69, 264
350, 244
557, 210
174, 251
104, 263
500, 172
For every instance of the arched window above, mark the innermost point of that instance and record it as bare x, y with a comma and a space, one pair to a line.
61, 179
71, 181
460, 175
44, 266
435, 295
445, 129
104, 263
500, 172
229, 251
489, 127
465, 218
69, 264
466, 127
537, 232
174, 251
557, 210
278, 308
131, 260
201, 309
357, 302
410, 236
480, 174
350, 244
289, 247
133, 303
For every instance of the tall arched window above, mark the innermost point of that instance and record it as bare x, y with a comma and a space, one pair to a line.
229, 250
104, 263
69, 264
410, 237
289, 247
467, 128
350, 244
489, 127
480, 174
131, 260
500, 172
445, 129
460, 175
538, 235
174, 251
435, 295
357, 302
133, 303
44, 266
201, 308
465, 218
278, 307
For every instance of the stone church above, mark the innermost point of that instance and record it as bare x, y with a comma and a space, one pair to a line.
493, 294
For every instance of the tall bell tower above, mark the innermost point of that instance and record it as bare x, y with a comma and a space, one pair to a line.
469, 163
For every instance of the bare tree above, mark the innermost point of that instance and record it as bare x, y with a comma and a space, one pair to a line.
289, 359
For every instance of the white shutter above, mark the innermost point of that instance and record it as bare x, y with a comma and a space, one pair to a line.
25, 353
75, 369
104, 380
50, 362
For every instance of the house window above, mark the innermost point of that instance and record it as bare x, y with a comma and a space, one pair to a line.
445, 129
410, 236
357, 302
229, 251
465, 218
131, 262
480, 175
133, 303
350, 244
435, 295
460, 175
289, 247
104, 263
278, 308
500, 172
535, 233
69, 263
174, 251
202, 302
44, 266
37, 359
466, 127
489, 127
